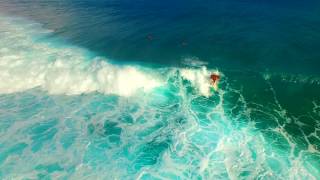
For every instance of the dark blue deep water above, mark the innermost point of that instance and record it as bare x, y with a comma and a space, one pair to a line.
283, 36
119, 89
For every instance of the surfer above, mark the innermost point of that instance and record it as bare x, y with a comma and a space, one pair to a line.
214, 80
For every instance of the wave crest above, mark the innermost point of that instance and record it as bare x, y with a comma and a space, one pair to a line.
29, 63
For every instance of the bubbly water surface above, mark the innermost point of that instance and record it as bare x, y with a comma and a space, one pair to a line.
66, 113
120, 90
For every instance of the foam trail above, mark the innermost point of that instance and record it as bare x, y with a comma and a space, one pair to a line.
194, 62
28, 63
173, 133
293, 78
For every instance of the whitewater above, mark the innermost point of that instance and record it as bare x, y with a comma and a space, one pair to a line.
67, 113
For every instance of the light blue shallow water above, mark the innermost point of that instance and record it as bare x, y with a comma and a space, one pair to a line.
68, 113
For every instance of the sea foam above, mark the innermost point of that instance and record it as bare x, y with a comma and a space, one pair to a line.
171, 134
199, 78
27, 63
36, 61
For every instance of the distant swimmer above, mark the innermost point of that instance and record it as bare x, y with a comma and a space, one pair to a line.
150, 37
214, 80
184, 43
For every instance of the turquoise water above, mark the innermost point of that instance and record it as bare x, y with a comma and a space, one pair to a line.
68, 111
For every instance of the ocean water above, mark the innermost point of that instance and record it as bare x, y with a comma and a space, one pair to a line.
119, 89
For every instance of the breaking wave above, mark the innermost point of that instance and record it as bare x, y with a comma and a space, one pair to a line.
28, 63
180, 128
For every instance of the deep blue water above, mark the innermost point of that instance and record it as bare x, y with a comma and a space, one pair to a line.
120, 90
235, 33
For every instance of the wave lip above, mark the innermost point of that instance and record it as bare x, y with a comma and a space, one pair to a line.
29, 63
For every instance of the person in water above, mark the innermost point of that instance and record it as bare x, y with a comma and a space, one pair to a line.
214, 80
149, 37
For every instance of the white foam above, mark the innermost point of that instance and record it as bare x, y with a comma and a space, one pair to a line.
64, 69
26, 63
199, 78
194, 62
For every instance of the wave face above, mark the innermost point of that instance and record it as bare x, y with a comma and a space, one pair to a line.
28, 63
66, 114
